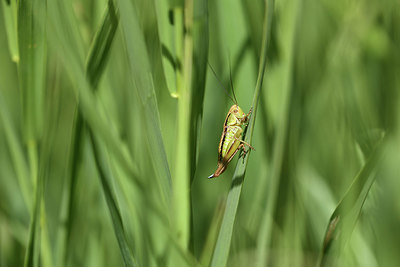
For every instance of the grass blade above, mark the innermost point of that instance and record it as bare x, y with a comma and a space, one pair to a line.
96, 63
10, 19
112, 205
61, 24
141, 74
17, 154
264, 235
101, 45
32, 44
94, 69
190, 107
209, 246
346, 214
222, 248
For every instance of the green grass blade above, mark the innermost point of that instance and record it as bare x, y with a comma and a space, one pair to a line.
39, 242
346, 214
66, 211
101, 45
222, 248
209, 246
141, 73
264, 235
94, 69
60, 24
10, 19
17, 154
112, 205
97, 59
32, 51
190, 107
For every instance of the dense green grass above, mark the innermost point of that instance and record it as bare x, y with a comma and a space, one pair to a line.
110, 120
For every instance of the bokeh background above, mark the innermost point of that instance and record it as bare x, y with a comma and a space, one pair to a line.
110, 120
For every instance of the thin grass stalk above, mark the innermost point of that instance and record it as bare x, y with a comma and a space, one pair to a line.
181, 183
10, 19
221, 252
347, 212
264, 236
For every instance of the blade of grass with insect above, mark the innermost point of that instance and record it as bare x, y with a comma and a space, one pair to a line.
264, 236
221, 252
346, 214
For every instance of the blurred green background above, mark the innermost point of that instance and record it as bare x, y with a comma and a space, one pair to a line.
110, 120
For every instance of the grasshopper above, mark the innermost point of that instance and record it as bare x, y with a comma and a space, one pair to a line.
231, 139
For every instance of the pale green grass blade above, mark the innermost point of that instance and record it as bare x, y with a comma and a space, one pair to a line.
222, 248
101, 45
112, 206
166, 25
212, 236
96, 63
66, 211
264, 236
17, 154
32, 52
39, 247
141, 72
10, 20
73, 63
190, 108
346, 214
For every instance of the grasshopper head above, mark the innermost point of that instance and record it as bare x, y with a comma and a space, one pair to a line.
238, 112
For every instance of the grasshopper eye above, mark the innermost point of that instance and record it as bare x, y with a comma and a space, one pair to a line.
236, 111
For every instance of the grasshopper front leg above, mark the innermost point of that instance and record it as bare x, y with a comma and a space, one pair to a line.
246, 118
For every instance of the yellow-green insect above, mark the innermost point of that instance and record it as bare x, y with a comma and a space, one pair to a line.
231, 138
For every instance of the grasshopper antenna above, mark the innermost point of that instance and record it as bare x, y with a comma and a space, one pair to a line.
230, 78
219, 81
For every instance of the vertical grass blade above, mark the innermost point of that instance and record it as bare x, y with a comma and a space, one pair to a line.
32, 52
17, 154
221, 252
94, 69
190, 107
97, 59
141, 73
264, 235
32, 44
212, 235
10, 19
346, 214
112, 205
70, 56
101, 45
39, 243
